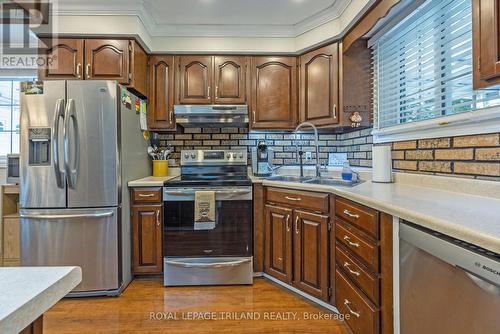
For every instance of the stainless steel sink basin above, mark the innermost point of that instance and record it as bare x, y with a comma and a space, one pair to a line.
290, 178
327, 181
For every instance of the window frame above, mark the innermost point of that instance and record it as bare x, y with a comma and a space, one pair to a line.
12, 79
475, 121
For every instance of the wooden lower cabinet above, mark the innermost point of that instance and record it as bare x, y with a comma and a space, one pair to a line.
297, 246
363, 314
311, 253
147, 231
278, 243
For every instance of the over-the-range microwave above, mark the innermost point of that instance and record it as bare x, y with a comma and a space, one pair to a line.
13, 168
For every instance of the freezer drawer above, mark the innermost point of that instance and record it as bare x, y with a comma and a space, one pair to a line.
87, 238
208, 271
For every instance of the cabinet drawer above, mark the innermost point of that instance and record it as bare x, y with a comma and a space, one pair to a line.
367, 281
364, 315
146, 195
360, 216
357, 244
300, 199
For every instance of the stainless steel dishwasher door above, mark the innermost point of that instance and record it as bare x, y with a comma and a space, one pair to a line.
446, 287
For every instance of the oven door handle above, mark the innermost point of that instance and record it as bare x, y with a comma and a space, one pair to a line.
222, 192
208, 265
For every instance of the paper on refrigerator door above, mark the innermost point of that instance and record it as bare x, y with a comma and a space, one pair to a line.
143, 119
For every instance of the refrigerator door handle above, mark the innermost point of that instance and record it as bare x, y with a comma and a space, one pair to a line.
59, 113
71, 167
92, 215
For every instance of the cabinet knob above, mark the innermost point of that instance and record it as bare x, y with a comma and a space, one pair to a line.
87, 71
79, 71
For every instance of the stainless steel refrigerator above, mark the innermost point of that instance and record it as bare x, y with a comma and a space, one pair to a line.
80, 145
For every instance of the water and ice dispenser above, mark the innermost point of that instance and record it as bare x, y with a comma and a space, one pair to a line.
39, 146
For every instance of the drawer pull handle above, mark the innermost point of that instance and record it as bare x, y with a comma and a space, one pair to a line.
297, 225
158, 218
348, 267
146, 195
295, 199
287, 223
350, 214
353, 244
347, 303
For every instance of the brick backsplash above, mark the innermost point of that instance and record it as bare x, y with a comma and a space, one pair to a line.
476, 156
357, 144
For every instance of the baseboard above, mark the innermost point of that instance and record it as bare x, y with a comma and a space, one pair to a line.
301, 293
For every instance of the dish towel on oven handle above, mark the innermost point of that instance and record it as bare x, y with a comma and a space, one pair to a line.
204, 210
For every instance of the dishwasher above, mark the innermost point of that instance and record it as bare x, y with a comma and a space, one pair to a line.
446, 285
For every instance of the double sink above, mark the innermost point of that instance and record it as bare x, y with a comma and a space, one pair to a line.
326, 181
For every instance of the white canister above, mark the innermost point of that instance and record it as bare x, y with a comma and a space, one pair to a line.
382, 163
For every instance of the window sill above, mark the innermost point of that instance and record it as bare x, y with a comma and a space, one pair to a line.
474, 122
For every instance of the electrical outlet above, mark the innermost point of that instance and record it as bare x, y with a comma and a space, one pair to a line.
309, 156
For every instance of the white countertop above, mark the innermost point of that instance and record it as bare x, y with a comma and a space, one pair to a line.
27, 292
468, 217
151, 181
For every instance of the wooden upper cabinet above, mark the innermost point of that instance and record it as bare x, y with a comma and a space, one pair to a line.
107, 59
161, 93
64, 59
319, 86
138, 69
147, 227
311, 253
194, 79
229, 80
486, 42
274, 92
278, 243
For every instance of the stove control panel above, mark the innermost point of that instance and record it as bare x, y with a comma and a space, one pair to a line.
213, 157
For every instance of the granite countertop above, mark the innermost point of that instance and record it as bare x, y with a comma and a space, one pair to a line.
465, 216
27, 292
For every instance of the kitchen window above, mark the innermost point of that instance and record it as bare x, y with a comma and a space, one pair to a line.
422, 70
9, 115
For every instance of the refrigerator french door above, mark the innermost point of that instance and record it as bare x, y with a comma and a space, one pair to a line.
69, 177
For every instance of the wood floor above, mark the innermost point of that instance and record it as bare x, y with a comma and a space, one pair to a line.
146, 306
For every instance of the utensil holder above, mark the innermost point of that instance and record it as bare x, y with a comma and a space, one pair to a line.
160, 167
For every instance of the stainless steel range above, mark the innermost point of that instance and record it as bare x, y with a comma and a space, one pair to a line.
213, 256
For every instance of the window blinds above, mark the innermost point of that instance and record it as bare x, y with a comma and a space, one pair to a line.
423, 66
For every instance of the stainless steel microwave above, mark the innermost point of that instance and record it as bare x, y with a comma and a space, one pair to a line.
13, 168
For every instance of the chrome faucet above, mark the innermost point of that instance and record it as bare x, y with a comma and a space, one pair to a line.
299, 153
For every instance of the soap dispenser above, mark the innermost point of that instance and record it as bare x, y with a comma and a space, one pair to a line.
347, 173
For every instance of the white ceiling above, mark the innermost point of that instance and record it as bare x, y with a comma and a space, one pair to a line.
241, 18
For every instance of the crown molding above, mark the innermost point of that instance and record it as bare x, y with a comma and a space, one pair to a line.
143, 12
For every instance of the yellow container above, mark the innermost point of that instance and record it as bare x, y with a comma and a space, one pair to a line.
160, 167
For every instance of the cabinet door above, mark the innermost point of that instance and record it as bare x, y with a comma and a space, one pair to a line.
147, 239
311, 253
107, 59
229, 80
486, 30
194, 79
278, 243
161, 93
319, 86
64, 59
274, 104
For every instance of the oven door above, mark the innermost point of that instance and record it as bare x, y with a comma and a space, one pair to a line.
232, 235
